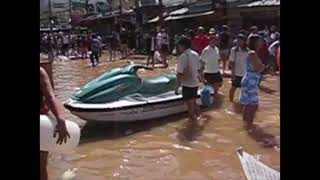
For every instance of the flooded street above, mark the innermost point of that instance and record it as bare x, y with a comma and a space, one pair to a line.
164, 149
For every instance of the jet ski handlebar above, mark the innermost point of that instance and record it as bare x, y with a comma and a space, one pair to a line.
147, 68
135, 68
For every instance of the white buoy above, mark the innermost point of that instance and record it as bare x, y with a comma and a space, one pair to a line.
48, 142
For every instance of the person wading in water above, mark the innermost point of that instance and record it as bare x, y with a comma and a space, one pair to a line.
238, 57
48, 102
210, 64
189, 76
250, 82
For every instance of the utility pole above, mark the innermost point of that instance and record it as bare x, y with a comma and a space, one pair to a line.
50, 16
120, 7
138, 17
70, 10
161, 13
120, 13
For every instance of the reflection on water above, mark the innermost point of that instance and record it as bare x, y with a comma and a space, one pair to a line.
168, 148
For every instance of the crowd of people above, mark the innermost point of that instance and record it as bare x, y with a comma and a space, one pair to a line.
74, 45
198, 61
160, 42
157, 45
78, 45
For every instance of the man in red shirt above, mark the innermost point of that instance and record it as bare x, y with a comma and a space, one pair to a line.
200, 41
263, 52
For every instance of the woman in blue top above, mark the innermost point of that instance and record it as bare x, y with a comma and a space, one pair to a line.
250, 82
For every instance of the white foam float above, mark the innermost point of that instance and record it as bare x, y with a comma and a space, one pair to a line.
48, 142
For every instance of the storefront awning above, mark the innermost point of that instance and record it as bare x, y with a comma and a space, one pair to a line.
181, 14
173, 13
156, 19
169, 18
262, 3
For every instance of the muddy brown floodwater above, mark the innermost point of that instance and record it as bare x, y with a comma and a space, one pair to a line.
164, 149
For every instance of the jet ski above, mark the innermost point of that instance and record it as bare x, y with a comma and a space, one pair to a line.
121, 95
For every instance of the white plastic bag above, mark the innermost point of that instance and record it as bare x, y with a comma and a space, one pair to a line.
157, 57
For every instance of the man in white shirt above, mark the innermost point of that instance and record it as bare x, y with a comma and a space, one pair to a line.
59, 43
65, 39
188, 75
100, 44
210, 57
238, 57
273, 48
254, 31
151, 43
274, 35
163, 45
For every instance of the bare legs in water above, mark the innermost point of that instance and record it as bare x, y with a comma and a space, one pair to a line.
193, 110
249, 112
43, 165
224, 59
164, 60
151, 55
112, 52
231, 93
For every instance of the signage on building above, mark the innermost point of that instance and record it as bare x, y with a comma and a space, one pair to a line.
148, 3
260, 14
60, 10
100, 6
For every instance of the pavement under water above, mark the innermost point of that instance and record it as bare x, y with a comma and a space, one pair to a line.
167, 148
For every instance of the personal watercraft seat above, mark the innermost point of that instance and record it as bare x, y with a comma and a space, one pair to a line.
108, 90
157, 85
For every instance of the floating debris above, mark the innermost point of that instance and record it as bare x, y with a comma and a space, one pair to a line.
177, 146
69, 174
254, 169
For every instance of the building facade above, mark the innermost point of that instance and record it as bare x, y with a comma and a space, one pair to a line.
246, 13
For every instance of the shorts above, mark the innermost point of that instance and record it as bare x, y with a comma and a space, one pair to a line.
113, 45
123, 46
189, 93
236, 81
150, 53
59, 46
83, 49
213, 78
123, 42
224, 52
164, 49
